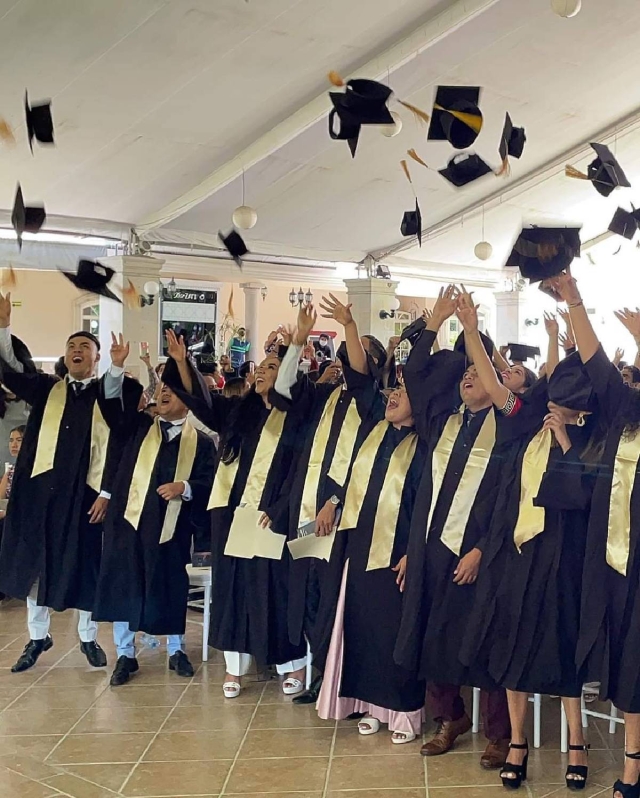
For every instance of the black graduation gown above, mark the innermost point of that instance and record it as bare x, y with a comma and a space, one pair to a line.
142, 581
609, 642
47, 535
308, 576
373, 601
248, 597
525, 620
436, 610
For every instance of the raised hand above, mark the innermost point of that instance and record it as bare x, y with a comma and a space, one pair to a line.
176, 347
445, 305
566, 341
307, 318
119, 350
287, 333
466, 311
565, 316
5, 310
631, 320
563, 285
334, 309
618, 356
551, 325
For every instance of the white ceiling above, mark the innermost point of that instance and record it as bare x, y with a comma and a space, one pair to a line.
152, 97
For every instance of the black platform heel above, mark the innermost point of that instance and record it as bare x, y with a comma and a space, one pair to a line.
581, 771
628, 790
519, 771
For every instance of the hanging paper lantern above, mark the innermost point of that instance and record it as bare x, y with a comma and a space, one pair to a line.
392, 130
566, 8
483, 250
245, 217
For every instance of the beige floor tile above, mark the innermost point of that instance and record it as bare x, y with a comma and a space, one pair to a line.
211, 673
458, 769
185, 746
278, 775
29, 766
7, 639
228, 716
23, 680
122, 719
205, 694
138, 695
375, 772
350, 743
98, 748
37, 745
42, 698
8, 695
287, 742
76, 787
12, 785
33, 721
273, 693
170, 779
288, 716
296, 794
111, 776
401, 793
70, 678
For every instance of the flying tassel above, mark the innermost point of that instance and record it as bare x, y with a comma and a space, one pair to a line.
9, 279
419, 114
335, 79
571, 171
474, 121
130, 297
6, 134
405, 169
230, 312
413, 154
505, 169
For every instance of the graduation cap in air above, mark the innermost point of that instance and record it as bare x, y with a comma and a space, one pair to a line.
520, 353
465, 168
363, 102
625, 223
512, 143
93, 277
26, 219
235, 246
39, 122
604, 172
543, 252
456, 117
412, 224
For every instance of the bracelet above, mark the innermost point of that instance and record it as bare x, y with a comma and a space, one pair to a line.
575, 305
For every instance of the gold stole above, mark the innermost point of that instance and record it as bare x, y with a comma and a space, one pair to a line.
360, 475
259, 471
534, 465
340, 462
619, 523
145, 463
472, 475
50, 429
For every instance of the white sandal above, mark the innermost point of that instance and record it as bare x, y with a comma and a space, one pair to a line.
231, 689
292, 686
368, 726
402, 737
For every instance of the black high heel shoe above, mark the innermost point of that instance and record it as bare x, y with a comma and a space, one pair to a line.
581, 771
628, 790
519, 771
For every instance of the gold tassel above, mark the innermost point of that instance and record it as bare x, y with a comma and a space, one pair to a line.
474, 121
413, 154
6, 134
130, 297
547, 252
505, 169
9, 279
230, 305
571, 171
405, 169
420, 115
335, 79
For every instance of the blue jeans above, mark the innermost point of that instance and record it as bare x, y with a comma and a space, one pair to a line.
125, 641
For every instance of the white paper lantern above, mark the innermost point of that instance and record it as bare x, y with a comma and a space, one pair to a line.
392, 130
245, 217
483, 250
566, 8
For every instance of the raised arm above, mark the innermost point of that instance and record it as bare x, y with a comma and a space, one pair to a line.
177, 350
566, 288
553, 351
334, 309
6, 346
288, 372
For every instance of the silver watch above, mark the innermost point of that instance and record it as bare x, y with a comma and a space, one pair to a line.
334, 500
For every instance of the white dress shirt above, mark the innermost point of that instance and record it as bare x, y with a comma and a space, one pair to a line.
172, 433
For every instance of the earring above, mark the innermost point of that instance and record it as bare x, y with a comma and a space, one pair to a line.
580, 422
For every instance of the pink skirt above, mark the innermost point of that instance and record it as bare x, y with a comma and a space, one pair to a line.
331, 705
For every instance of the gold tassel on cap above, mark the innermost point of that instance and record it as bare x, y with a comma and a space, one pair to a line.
130, 296
230, 305
6, 134
9, 279
413, 154
505, 169
571, 171
335, 79
419, 114
405, 169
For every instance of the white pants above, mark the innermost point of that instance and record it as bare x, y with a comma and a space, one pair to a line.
39, 620
238, 664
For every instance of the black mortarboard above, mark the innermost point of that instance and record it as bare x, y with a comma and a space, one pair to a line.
348, 131
512, 140
363, 102
94, 277
39, 121
605, 173
625, 223
570, 386
486, 342
520, 353
235, 246
465, 168
412, 224
413, 331
456, 117
543, 252
26, 219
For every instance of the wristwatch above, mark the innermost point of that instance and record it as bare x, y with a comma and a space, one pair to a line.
334, 500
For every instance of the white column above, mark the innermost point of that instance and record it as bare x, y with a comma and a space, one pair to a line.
368, 298
510, 316
136, 324
251, 318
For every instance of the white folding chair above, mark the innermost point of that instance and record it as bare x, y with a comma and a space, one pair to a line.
200, 580
587, 713
536, 700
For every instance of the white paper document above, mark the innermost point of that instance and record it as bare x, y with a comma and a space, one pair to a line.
247, 539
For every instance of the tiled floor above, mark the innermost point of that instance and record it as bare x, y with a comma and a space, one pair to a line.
65, 732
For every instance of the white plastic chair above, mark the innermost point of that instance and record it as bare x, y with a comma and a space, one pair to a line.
200, 579
536, 700
587, 713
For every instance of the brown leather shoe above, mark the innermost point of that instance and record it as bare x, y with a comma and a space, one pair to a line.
495, 754
446, 734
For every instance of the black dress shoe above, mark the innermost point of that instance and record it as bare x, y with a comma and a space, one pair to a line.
125, 666
179, 662
94, 654
31, 652
310, 696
